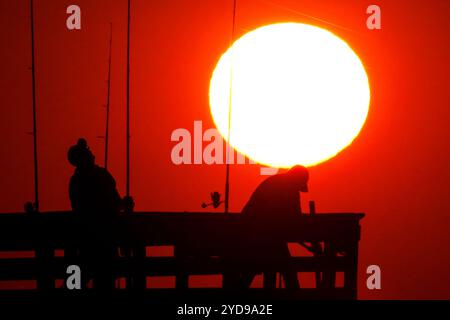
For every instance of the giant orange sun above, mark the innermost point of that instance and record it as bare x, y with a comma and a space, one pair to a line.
299, 95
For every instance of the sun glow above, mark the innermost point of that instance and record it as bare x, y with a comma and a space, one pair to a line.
299, 95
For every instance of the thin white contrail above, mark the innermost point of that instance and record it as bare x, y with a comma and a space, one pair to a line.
308, 16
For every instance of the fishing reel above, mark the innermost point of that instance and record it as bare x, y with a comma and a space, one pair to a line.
215, 200
30, 208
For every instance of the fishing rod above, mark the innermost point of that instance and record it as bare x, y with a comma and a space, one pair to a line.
128, 104
108, 97
227, 177
133, 281
33, 86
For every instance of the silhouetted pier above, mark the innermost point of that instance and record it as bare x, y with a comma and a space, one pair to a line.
202, 245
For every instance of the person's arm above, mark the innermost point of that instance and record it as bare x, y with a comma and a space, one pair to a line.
73, 194
115, 194
123, 204
293, 204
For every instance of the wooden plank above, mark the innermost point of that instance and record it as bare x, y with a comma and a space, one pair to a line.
27, 268
20, 232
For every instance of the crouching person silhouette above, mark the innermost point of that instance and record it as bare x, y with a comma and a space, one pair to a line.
96, 202
273, 206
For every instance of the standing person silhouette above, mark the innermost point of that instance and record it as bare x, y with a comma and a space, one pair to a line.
272, 207
96, 201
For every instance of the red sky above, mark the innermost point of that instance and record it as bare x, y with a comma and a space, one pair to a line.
396, 171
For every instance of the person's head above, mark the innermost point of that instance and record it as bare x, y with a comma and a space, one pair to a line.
80, 155
299, 176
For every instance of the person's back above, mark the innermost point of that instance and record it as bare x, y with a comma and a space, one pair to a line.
274, 203
93, 192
